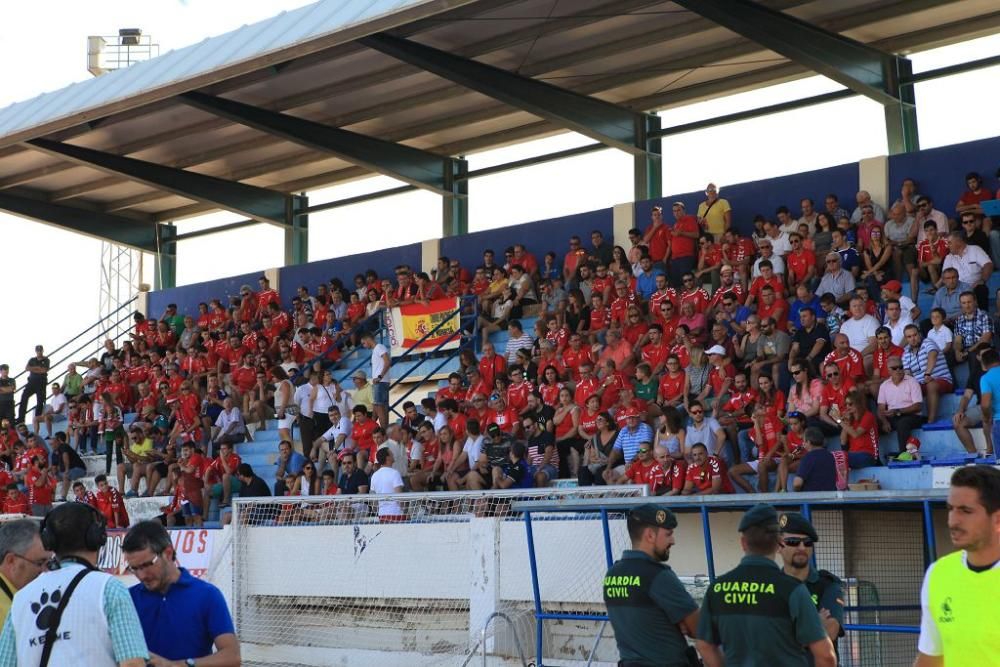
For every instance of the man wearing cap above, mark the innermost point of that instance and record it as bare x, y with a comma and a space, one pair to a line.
758, 614
798, 538
627, 444
648, 606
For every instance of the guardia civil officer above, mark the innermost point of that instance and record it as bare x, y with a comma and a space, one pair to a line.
798, 539
649, 608
760, 615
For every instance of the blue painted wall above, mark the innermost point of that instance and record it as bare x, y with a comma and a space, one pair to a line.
940, 172
188, 297
539, 237
345, 268
764, 197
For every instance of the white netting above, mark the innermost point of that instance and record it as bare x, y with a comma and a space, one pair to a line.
327, 581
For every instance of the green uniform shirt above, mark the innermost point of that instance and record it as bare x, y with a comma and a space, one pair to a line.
761, 616
646, 601
73, 384
827, 592
175, 322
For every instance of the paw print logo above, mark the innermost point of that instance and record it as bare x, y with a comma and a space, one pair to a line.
45, 609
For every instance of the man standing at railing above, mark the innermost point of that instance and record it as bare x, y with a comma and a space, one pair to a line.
38, 377
7, 388
958, 624
380, 377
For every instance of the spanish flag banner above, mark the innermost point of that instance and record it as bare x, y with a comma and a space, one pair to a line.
408, 324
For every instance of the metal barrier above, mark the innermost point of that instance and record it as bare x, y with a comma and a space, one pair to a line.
879, 543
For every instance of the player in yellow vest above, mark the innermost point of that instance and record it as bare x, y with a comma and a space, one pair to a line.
958, 626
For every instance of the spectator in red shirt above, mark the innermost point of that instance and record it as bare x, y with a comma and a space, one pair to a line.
41, 483
800, 264
15, 502
674, 471
767, 434
657, 236
974, 195
110, 503
683, 243
219, 476
709, 260
706, 475
859, 433
645, 469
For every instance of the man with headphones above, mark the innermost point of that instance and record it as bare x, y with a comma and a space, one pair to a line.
74, 614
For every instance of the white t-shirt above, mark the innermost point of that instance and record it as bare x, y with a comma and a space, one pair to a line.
379, 365
343, 427
896, 331
387, 480
941, 337
859, 331
777, 263
906, 305
58, 404
440, 421
302, 399
472, 448
969, 264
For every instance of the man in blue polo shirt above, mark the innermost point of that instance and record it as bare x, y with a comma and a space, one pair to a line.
182, 617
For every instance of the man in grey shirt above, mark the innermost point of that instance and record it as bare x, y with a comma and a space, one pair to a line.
946, 296
836, 281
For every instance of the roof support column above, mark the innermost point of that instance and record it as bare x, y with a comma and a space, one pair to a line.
296, 230
166, 256
455, 215
901, 131
648, 166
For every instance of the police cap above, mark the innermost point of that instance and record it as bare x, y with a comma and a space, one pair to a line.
759, 515
653, 515
793, 522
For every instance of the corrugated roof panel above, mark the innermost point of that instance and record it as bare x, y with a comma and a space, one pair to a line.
280, 32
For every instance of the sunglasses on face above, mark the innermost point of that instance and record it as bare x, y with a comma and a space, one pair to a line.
796, 541
832, 375
697, 412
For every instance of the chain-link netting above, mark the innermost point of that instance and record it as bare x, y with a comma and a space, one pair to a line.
344, 579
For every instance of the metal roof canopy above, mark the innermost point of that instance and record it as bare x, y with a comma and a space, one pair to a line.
336, 91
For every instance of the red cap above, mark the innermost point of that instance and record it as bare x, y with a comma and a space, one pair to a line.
893, 286
913, 440
632, 411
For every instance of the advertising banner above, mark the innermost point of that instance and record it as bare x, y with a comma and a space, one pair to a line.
408, 324
193, 547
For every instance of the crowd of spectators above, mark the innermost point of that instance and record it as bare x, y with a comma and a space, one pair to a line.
690, 360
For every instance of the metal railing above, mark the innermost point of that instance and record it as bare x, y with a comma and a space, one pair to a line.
103, 326
864, 611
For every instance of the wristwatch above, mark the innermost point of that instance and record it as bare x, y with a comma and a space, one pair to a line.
189, 662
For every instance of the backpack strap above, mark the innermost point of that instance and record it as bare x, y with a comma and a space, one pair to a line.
53, 631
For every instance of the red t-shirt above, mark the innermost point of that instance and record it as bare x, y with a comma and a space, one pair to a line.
362, 434
39, 495
505, 420
673, 479
658, 241
655, 355
697, 296
880, 359
585, 389
550, 393
926, 252
853, 365
759, 282
780, 320
868, 440
491, 367
772, 433
683, 246
244, 377
716, 377
672, 387
457, 426
701, 476
216, 465
650, 474
798, 264
833, 396
736, 290
742, 249
712, 254
600, 318
16, 505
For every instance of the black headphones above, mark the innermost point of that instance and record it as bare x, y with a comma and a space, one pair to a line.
93, 539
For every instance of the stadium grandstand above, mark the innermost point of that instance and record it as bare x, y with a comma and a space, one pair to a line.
417, 410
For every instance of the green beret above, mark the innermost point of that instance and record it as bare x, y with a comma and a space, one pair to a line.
653, 515
759, 515
793, 522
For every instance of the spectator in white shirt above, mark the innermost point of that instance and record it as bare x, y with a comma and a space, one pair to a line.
457, 473
974, 266
230, 424
55, 410
387, 481
860, 330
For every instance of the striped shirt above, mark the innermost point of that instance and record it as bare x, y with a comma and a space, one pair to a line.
915, 362
628, 440
971, 329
